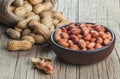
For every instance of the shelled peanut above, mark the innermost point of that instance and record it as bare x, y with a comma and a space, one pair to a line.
43, 64
82, 36
38, 20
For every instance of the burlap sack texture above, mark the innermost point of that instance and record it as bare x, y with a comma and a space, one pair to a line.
7, 17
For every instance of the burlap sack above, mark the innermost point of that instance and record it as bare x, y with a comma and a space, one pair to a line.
7, 17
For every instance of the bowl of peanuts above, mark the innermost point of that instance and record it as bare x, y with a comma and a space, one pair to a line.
82, 43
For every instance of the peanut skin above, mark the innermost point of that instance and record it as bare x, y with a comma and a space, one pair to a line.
97, 45
87, 37
63, 42
94, 34
82, 36
49, 67
74, 38
70, 26
64, 29
19, 45
73, 46
75, 31
57, 37
82, 43
41, 63
102, 35
58, 31
87, 42
99, 28
79, 36
86, 31
93, 40
83, 26
64, 35
108, 35
99, 40
89, 25
106, 41
90, 45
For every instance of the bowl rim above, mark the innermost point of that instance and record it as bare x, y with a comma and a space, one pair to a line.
83, 51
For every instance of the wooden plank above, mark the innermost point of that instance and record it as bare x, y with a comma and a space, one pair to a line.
113, 23
24, 69
1, 31
16, 65
87, 13
112, 66
112, 63
99, 13
7, 59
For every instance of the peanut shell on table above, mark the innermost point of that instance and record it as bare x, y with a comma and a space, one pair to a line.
44, 62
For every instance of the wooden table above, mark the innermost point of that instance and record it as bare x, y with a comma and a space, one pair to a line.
16, 65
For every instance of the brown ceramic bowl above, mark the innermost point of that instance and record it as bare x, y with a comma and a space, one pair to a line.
80, 56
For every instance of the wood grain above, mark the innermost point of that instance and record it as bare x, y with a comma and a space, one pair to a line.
16, 65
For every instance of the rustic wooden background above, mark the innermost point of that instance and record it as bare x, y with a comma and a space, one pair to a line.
16, 65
